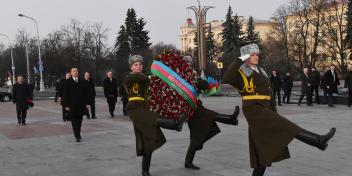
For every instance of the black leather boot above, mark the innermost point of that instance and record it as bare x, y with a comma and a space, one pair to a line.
319, 141
189, 158
228, 119
172, 124
146, 164
259, 171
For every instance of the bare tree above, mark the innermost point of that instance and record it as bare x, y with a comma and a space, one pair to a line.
304, 33
75, 37
334, 44
96, 39
276, 45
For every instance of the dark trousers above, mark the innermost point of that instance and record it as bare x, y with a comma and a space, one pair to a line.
349, 97
315, 91
287, 96
56, 96
277, 92
306, 94
92, 109
21, 116
112, 107
65, 114
76, 121
124, 103
328, 97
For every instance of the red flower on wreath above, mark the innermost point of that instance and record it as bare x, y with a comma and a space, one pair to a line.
164, 99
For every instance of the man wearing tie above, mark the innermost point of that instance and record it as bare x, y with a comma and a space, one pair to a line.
330, 82
110, 92
76, 101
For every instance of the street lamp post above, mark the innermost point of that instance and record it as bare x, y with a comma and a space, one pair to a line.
200, 13
41, 84
12, 63
27, 58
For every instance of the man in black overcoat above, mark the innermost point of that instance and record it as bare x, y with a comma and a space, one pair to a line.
330, 83
21, 97
110, 92
287, 85
276, 84
306, 87
76, 101
315, 80
91, 95
65, 114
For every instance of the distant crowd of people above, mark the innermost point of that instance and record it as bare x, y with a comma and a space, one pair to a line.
77, 97
311, 81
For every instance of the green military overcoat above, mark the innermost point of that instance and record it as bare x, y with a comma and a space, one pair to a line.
269, 132
202, 126
149, 136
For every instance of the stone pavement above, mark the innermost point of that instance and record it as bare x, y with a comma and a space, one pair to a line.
46, 147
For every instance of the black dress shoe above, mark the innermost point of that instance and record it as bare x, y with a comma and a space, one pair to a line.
94, 117
191, 166
78, 140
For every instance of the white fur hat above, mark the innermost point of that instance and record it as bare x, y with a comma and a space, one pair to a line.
247, 50
135, 58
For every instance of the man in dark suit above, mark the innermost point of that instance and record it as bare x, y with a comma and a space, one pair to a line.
21, 96
287, 85
76, 101
305, 87
65, 114
315, 79
110, 92
276, 84
330, 83
91, 95
348, 85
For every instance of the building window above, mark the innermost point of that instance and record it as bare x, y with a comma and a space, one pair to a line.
190, 41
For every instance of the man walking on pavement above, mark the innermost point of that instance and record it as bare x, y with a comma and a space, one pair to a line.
276, 84
287, 85
65, 114
76, 101
21, 97
329, 84
91, 96
110, 92
305, 87
315, 80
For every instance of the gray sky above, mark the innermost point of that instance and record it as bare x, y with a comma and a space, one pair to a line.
164, 17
